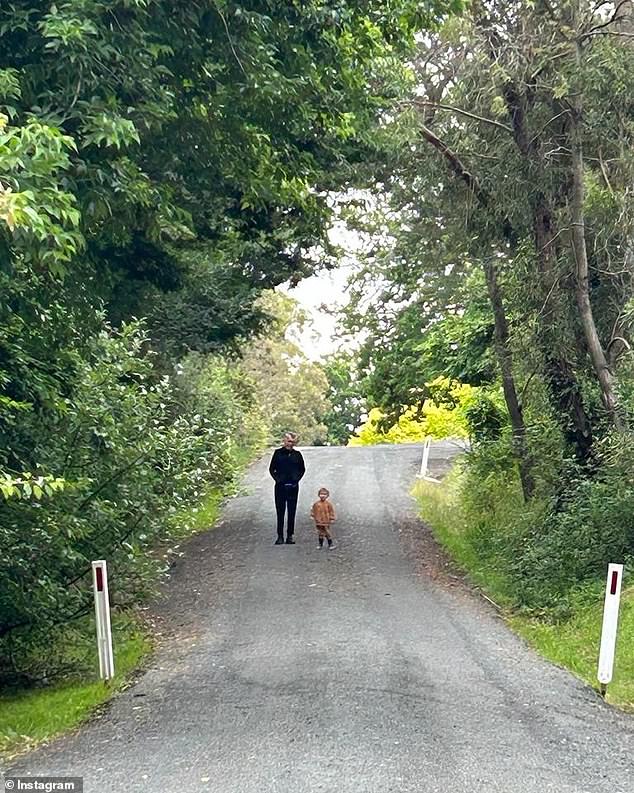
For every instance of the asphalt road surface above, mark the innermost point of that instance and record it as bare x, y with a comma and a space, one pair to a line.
365, 669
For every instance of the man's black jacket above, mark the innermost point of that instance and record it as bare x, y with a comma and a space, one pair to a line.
287, 466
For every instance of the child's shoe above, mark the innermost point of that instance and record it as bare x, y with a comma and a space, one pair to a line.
331, 546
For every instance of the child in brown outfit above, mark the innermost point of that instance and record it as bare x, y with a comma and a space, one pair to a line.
323, 513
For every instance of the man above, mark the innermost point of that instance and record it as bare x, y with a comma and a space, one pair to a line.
287, 468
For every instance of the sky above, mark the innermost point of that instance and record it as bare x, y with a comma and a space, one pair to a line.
327, 287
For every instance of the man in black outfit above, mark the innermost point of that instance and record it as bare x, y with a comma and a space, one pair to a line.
287, 468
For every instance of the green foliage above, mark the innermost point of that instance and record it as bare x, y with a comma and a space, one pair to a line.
569, 637
41, 217
553, 552
430, 316
486, 415
584, 529
177, 122
28, 486
133, 450
345, 397
443, 415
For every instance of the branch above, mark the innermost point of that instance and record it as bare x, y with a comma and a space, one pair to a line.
456, 165
109, 480
613, 355
620, 34
462, 172
230, 40
614, 18
547, 124
526, 385
604, 171
466, 113
556, 283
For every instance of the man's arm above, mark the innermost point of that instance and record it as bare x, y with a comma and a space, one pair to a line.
301, 466
273, 466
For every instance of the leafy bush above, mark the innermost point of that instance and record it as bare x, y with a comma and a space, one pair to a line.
568, 549
443, 415
553, 552
132, 450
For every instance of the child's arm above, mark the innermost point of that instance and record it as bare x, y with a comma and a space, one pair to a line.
331, 510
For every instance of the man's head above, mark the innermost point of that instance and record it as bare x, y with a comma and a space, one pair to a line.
323, 493
289, 440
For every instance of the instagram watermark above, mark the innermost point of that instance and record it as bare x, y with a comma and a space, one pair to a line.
44, 784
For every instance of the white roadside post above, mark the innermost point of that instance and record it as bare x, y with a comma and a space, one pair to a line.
102, 619
610, 625
425, 460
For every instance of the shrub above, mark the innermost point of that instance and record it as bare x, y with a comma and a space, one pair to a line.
132, 450
552, 551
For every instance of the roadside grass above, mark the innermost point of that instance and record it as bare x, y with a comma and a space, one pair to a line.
29, 716
201, 517
573, 642
440, 508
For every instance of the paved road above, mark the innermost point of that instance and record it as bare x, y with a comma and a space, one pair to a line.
358, 670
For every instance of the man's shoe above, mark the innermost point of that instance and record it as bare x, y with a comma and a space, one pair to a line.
290, 541
279, 541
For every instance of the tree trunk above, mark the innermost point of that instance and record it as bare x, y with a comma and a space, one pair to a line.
505, 359
502, 346
582, 290
563, 387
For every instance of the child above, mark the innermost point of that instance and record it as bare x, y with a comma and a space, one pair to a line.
323, 513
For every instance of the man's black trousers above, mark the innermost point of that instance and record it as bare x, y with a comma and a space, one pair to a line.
286, 499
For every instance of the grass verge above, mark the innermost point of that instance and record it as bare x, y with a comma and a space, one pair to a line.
572, 643
29, 716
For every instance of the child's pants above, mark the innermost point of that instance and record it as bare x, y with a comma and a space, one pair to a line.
324, 532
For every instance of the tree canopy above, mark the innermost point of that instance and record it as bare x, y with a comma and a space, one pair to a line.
162, 164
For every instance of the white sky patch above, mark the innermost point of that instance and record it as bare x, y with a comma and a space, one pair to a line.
328, 289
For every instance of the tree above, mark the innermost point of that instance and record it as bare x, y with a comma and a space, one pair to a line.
445, 414
291, 389
345, 397
484, 169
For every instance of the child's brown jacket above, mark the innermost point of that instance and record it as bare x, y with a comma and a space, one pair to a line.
323, 513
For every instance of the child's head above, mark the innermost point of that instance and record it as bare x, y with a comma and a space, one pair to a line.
323, 493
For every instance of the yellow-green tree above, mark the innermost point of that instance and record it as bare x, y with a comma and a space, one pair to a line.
443, 415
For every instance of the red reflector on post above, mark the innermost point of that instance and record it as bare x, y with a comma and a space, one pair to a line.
99, 577
615, 581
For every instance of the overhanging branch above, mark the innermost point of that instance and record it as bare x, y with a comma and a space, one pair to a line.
441, 106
